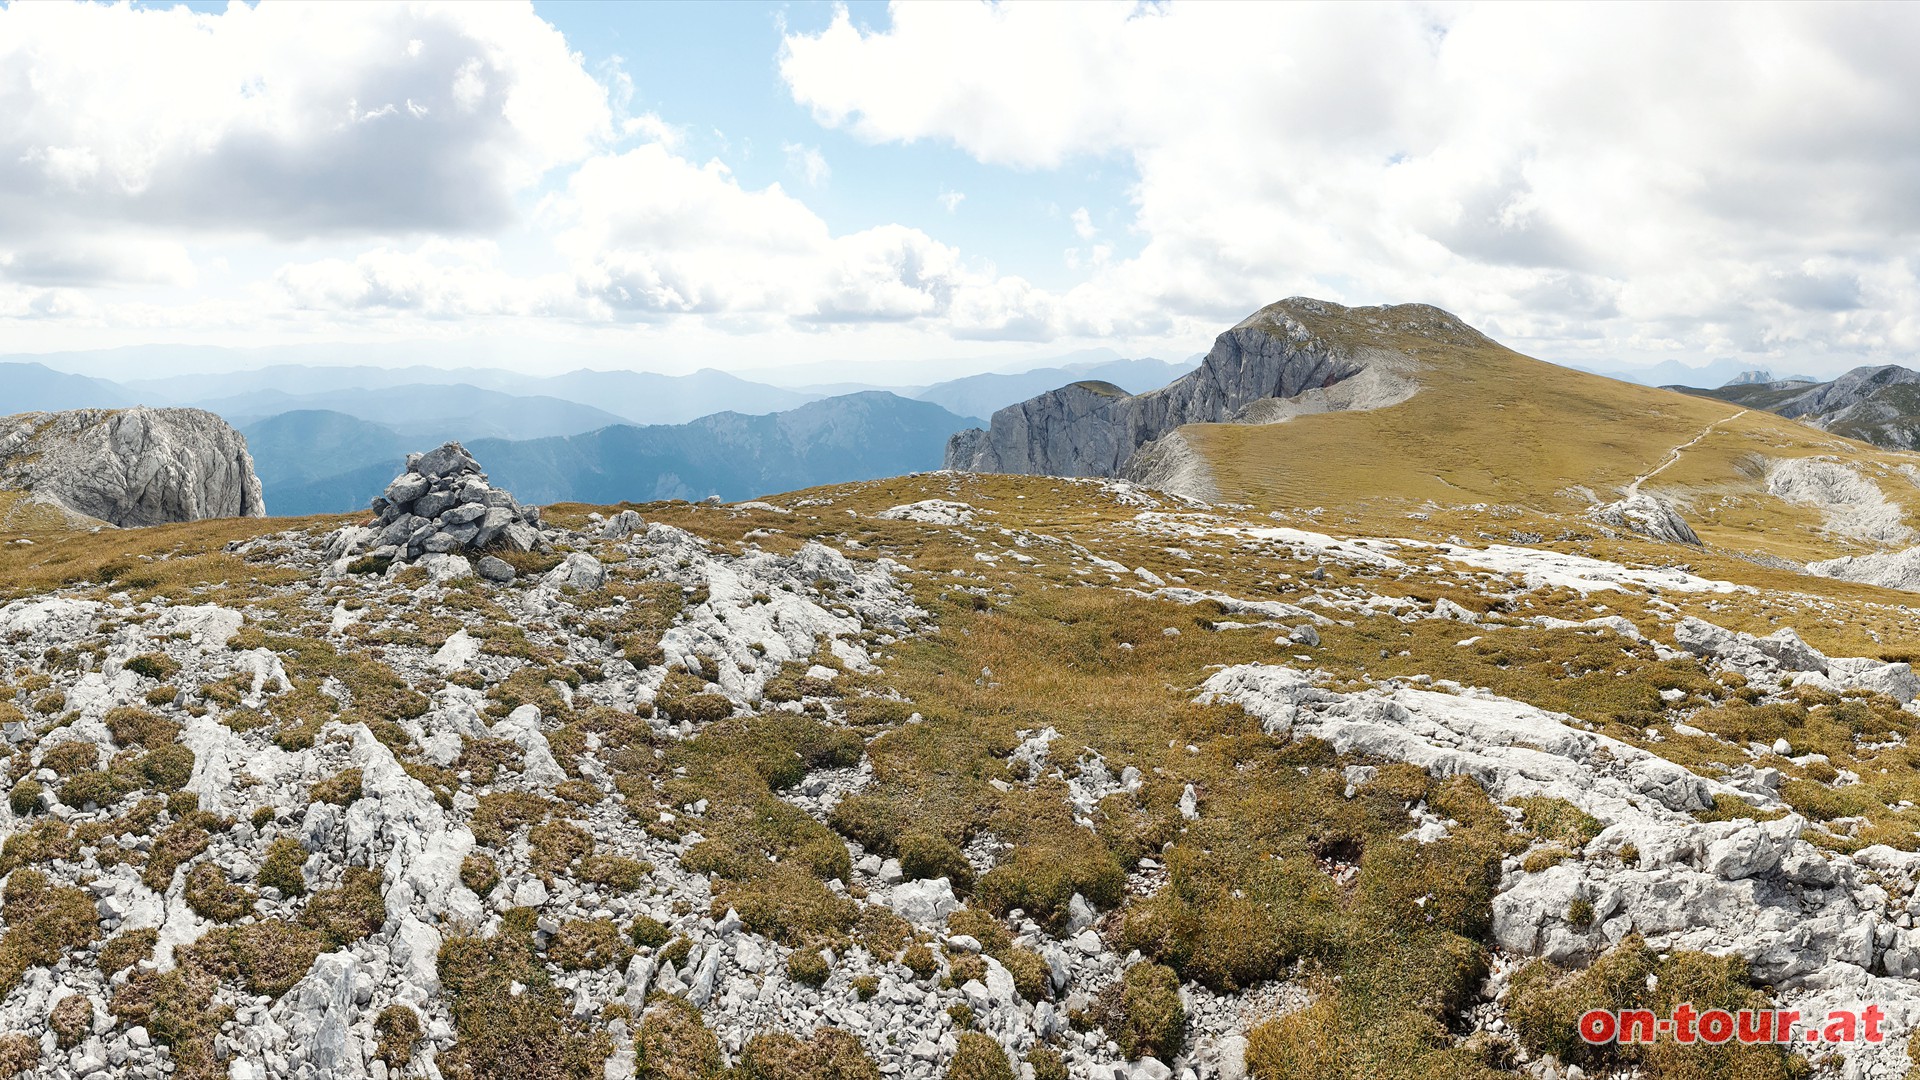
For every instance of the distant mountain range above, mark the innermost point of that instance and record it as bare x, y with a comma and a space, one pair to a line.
852, 437
635, 397
984, 395
1722, 372
732, 455
490, 402
38, 388
1880, 405
327, 438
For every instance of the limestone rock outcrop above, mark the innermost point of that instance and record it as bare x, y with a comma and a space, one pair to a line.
129, 467
442, 505
1294, 357
1648, 515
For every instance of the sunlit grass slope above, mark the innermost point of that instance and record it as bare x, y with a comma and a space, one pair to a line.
1490, 425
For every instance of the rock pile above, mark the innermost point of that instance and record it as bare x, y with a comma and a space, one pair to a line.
442, 505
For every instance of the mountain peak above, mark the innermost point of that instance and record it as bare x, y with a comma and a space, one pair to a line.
1339, 324
1313, 355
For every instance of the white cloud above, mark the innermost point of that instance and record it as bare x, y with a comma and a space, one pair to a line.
653, 235
85, 261
650, 236
362, 164
290, 120
1595, 181
1589, 183
436, 280
807, 163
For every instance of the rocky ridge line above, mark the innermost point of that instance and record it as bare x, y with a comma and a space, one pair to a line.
1286, 359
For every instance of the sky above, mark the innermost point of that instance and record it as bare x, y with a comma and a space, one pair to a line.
839, 189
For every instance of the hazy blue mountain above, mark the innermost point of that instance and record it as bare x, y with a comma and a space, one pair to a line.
1674, 373
310, 444
897, 375
447, 359
428, 412
1878, 404
344, 493
841, 389
984, 395
28, 387
643, 397
735, 456
298, 379
1763, 377
640, 397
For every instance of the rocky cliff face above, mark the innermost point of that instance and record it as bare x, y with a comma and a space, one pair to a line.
1880, 405
136, 466
1305, 355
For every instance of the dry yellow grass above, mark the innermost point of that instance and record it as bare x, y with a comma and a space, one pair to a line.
1493, 426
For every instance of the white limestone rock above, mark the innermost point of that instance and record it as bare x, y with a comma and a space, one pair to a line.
924, 902
457, 651
521, 727
1650, 516
130, 467
931, 512
579, 571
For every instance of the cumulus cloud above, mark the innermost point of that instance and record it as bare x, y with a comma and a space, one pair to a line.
1593, 184
437, 279
655, 235
409, 137
86, 261
289, 120
1597, 181
650, 236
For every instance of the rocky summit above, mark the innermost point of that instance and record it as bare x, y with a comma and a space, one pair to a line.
441, 505
1289, 358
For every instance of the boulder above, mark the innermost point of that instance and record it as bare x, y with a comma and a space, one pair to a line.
495, 569
131, 467
1651, 517
926, 902
580, 572
622, 525
931, 512
448, 460
461, 515
1781, 651
406, 488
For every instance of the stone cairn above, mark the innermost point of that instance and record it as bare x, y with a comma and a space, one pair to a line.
443, 505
